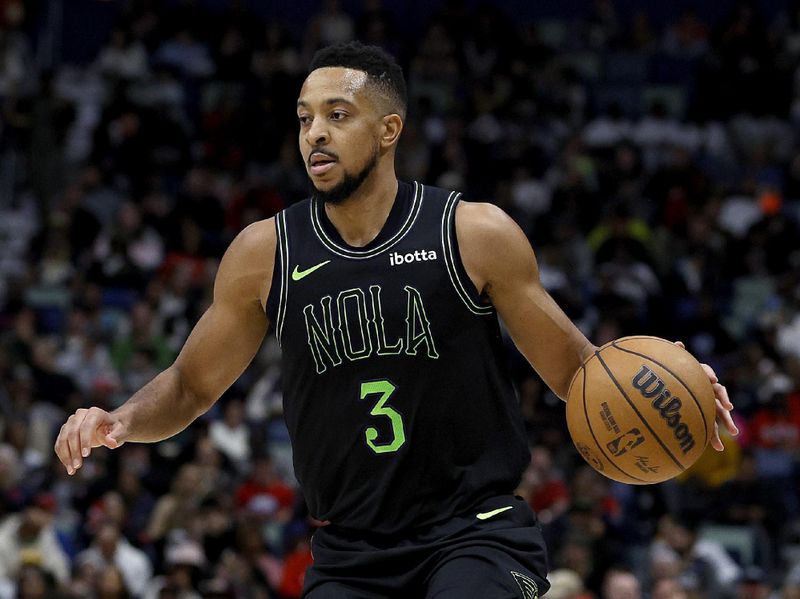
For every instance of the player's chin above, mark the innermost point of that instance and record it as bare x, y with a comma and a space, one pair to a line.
323, 182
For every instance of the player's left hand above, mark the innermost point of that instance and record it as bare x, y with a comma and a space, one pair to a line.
724, 406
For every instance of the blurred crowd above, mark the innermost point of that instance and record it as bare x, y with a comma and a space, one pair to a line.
654, 166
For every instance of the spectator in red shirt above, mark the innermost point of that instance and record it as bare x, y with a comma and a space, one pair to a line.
776, 425
294, 569
543, 486
264, 493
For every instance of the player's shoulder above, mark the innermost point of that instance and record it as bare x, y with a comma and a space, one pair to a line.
246, 267
483, 221
251, 251
491, 243
256, 239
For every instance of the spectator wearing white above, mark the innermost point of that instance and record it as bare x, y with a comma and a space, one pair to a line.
29, 537
184, 559
564, 584
86, 359
230, 434
621, 584
110, 548
186, 54
679, 551
123, 57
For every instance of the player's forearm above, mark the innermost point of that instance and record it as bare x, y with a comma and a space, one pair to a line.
160, 409
584, 351
561, 356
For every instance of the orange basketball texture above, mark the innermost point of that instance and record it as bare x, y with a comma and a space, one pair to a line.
641, 410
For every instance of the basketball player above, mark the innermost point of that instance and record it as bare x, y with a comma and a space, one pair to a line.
385, 297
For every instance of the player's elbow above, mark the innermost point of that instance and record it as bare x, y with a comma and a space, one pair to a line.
193, 400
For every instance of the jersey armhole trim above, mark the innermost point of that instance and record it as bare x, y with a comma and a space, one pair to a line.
449, 250
283, 252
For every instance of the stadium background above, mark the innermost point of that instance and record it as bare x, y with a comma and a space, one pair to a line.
649, 149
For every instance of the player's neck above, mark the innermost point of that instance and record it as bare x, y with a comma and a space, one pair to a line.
360, 218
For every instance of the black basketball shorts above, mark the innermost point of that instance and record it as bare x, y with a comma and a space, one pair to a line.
496, 552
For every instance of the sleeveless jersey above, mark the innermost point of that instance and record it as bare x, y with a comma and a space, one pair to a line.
399, 407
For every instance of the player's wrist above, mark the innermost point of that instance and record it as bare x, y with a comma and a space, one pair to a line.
121, 421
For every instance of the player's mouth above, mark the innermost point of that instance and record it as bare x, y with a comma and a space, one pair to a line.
320, 163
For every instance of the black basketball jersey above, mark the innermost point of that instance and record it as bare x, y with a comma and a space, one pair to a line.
399, 407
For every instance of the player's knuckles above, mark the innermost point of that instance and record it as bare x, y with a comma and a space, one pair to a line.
78, 420
91, 420
74, 421
69, 429
79, 414
61, 443
95, 417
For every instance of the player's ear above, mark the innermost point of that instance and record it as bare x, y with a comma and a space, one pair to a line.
390, 131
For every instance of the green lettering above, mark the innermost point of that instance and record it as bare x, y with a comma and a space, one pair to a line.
322, 341
384, 349
418, 326
360, 299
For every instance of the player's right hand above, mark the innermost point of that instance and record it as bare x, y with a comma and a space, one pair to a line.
85, 430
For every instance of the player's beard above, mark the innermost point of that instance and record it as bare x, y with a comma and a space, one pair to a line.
348, 185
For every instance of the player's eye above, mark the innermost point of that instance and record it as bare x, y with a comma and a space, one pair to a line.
338, 115
304, 119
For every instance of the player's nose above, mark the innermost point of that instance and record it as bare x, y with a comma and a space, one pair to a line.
317, 134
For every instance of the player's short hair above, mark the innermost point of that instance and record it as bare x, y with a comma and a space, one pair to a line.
384, 75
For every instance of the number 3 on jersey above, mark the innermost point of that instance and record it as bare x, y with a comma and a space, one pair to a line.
385, 389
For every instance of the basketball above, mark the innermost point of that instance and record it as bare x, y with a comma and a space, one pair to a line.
641, 410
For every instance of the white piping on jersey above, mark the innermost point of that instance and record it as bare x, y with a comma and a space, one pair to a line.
283, 246
319, 231
449, 258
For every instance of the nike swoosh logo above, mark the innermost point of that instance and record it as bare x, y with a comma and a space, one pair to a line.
301, 274
500, 510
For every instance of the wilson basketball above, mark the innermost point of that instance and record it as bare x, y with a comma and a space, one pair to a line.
641, 410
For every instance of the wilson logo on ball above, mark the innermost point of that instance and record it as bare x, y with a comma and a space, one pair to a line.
652, 388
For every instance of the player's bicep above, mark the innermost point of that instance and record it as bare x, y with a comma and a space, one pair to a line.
499, 253
221, 346
228, 335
